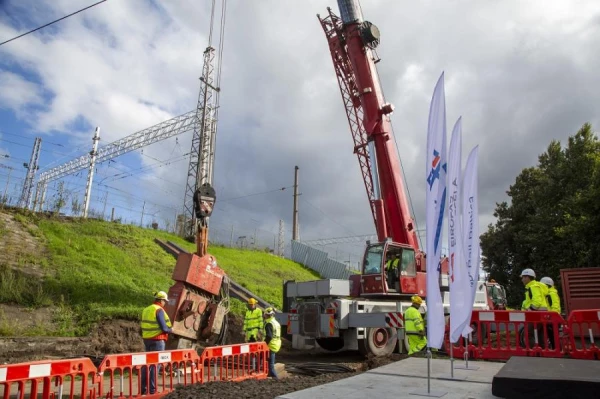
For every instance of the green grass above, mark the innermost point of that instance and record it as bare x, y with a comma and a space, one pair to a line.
18, 288
98, 270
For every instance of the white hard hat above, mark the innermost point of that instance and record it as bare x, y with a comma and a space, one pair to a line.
161, 295
528, 272
547, 281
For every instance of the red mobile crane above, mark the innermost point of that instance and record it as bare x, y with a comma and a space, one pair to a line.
352, 43
371, 320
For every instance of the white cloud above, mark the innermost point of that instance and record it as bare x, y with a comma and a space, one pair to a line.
17, 93
519, 73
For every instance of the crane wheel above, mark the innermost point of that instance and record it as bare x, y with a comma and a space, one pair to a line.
331, 344
378, 342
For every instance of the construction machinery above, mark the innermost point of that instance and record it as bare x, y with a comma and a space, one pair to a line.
199, 300
365, 312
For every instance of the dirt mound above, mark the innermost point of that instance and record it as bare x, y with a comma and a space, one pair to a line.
116, 336
107, 337
270, 388
256, 389
235, 335
374, 362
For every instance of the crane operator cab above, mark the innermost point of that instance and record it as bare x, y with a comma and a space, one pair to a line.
389, 268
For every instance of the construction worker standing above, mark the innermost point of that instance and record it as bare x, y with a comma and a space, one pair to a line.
156, 327
414, 327
272, 339
552, 297
253, 326
253, 321
553, 301
534, 292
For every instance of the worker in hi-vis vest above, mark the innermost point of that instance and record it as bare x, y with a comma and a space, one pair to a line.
552, 298
253, 326
156, 327
414, 327
272, 339
535, 292
553, 301
253, 321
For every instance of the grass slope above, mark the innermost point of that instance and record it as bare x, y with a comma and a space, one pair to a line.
94, 270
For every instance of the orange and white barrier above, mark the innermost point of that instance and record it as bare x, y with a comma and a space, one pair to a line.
501, 334
130, 375
235, 362
49, 379
583, 328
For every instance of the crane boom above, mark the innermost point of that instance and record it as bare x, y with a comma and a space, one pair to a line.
352, 42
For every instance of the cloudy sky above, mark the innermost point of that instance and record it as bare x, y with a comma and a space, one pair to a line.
519, 73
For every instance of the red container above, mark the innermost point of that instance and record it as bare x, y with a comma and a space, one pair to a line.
581, 289
200, 272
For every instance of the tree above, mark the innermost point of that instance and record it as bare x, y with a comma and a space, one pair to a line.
75, 206
553, 219
61, 198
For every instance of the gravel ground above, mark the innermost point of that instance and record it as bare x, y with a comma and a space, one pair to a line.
269, 388
258, 389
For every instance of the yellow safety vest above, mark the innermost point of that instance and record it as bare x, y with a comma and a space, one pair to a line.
253, 323
413, 321
275, 342
535, 296
553, 300
150, 326
393, 262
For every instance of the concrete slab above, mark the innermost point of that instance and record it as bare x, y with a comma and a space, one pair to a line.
402, 379
548, 378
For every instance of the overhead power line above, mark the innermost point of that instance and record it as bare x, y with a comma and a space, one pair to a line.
250, 195
50, 23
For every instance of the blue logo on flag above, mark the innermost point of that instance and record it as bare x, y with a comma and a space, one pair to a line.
436, 165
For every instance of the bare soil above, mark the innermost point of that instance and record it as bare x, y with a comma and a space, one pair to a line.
290, 381
18, 245
108, 337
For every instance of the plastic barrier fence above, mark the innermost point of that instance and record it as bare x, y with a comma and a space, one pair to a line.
235, 362
499, 335
583, 329
49, 379
133, 375
153, 374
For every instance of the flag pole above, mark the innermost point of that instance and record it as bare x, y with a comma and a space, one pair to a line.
451, 359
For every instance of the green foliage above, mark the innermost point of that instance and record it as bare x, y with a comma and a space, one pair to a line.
260, 272
98, 270
3, 230
553, 220
17, 288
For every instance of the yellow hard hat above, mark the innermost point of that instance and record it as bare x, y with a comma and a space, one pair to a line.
416, 299
161, 295
252, 301
269, 311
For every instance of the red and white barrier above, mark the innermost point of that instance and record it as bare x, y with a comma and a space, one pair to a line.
59, 378
120, 376
235, 362
500, 335
583, 328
